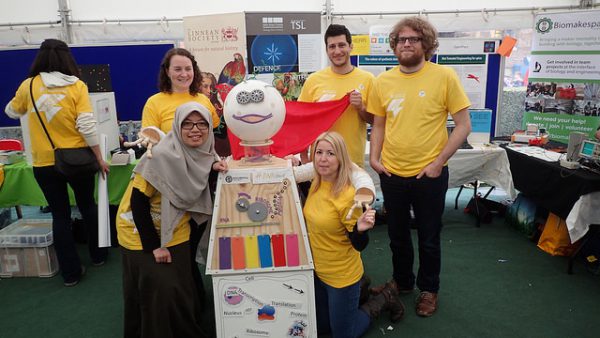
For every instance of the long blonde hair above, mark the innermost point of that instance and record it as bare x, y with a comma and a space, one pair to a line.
344, 172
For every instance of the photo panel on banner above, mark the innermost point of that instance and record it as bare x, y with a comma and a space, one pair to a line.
282, 49
563, 92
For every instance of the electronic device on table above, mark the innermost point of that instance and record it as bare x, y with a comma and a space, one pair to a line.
590, 156
572, 160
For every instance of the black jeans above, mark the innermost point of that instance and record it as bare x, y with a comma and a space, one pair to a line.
427, 197
54, 187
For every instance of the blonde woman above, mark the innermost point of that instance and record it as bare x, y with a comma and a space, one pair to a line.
336, 242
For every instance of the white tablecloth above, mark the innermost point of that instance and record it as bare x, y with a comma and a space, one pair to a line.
586, 211
483, 163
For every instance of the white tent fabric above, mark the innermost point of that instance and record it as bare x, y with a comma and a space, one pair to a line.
108, 21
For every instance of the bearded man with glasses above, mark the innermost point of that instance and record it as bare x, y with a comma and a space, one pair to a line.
410, 149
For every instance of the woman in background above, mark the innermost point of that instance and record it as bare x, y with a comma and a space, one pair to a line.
64, 106
336, 242
179, 81
153, 227
209, 88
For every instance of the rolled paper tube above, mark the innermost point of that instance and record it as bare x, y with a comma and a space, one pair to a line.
252, 261
278, 250
264, 251
237, 252
224, 253
291, 247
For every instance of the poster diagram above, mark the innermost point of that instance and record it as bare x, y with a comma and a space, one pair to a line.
472, 72
265, 305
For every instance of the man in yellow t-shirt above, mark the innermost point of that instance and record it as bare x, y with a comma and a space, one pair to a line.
337, 80
410, 148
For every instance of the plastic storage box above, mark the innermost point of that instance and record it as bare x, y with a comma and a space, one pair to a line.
27, 250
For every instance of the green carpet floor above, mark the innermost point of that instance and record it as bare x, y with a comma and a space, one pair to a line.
494, 283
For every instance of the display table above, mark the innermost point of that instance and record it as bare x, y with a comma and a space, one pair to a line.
20, 187
574, 195
487, 163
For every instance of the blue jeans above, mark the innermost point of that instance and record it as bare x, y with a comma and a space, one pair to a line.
54, 187
428, 198
338, 312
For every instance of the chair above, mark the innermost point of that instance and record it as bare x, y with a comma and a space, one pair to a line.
12, 144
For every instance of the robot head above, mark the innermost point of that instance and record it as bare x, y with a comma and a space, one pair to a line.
254, 111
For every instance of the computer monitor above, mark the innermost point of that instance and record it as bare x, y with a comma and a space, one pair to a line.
590, 150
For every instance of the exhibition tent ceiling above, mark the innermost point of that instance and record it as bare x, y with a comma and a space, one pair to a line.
108, 21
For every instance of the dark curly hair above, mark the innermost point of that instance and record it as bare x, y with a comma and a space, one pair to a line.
425, 29
54, 56
164, 82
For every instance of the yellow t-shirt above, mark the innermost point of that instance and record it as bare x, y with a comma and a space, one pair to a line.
326, 85
159, 110
416, 108
127, 233
337, 263
59, 108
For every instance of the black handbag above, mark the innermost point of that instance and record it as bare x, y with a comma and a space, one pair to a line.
69, 162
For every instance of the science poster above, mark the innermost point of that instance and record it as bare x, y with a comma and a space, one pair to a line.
563, 92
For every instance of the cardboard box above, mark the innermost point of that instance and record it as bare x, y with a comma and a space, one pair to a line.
27, 250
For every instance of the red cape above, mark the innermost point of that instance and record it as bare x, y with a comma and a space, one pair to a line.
304, 121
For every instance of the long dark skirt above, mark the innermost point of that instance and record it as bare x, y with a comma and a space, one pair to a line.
159, 299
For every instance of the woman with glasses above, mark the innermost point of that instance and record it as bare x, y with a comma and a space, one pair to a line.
179, 81
153, 227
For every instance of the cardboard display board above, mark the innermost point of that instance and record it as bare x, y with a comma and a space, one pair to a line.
259, 254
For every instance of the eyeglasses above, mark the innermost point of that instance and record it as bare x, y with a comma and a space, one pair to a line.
189, 125
411, 39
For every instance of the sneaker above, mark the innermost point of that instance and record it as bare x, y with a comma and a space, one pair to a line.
75, 282
427, 303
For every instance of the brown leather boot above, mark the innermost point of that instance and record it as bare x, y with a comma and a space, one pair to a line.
386, 300
392, 284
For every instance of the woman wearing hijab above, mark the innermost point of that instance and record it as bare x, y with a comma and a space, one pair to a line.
179, 81
153, 228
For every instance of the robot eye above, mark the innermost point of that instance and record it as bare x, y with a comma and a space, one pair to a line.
243, 97
257, 95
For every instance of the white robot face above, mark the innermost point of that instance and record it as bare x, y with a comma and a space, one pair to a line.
254, 111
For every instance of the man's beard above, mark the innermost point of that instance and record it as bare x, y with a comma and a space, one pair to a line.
410, 61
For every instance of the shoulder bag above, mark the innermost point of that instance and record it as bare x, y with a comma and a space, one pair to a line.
69, 162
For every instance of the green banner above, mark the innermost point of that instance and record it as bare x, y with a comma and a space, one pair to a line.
559, 126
